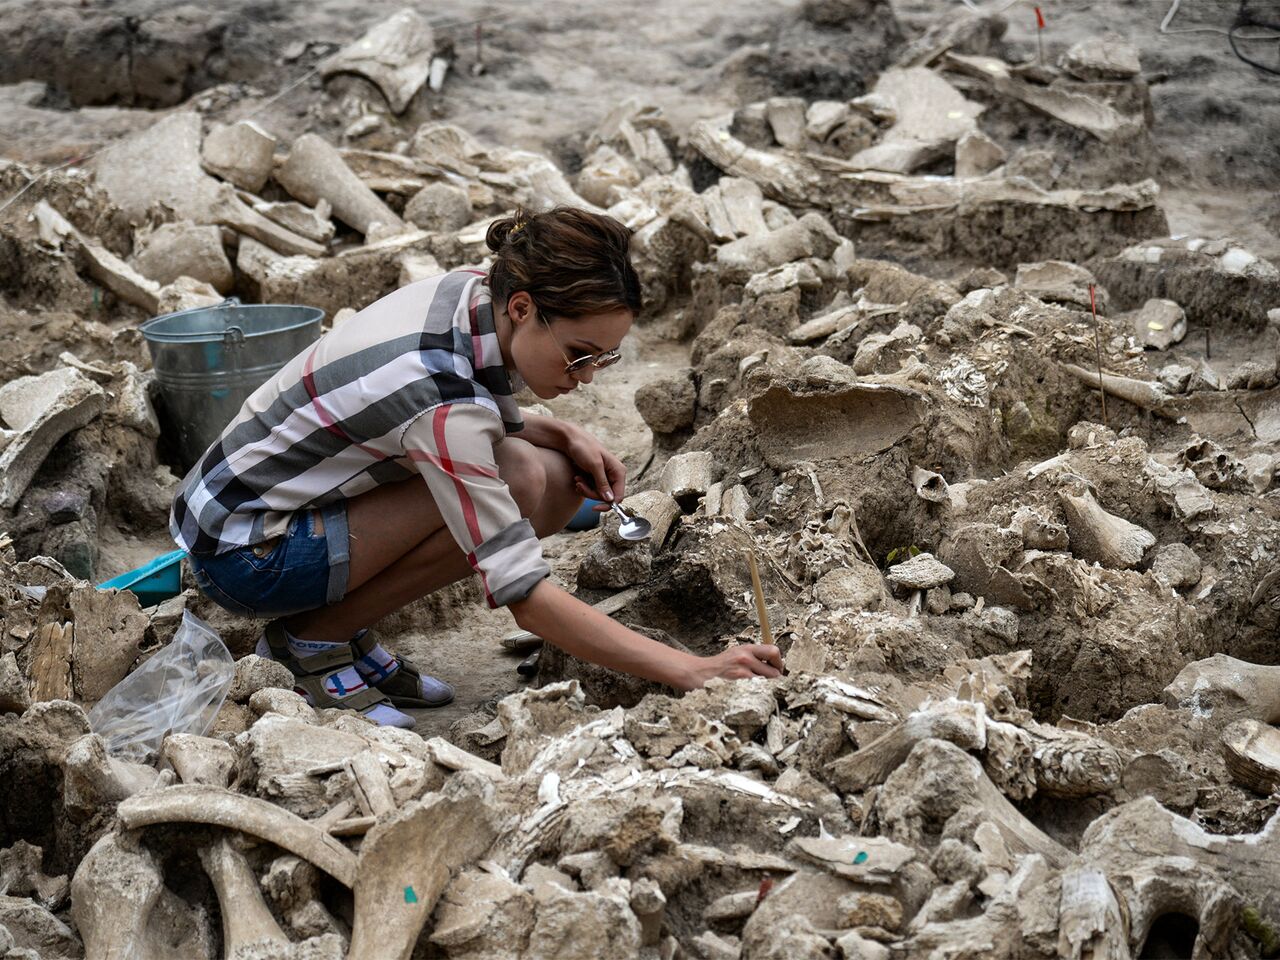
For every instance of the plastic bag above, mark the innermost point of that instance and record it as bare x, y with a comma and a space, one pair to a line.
179, 690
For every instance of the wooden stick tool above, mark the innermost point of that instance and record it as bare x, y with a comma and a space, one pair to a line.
761, 612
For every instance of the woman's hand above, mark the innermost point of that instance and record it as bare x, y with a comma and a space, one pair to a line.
605, 476
736, 663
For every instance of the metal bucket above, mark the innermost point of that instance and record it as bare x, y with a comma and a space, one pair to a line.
209, 360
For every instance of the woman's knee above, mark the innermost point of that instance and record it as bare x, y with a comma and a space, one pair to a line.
523, 471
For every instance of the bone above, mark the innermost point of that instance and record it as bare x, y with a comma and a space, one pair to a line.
198, 759
114, 890
199, 803
1227, 689
1141, 393
315, 171
1251, 751
370, 785
1091, 921
406, 860
1097, 535
245, 917
959, 722
93, 779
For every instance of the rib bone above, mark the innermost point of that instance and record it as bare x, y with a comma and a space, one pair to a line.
245, 917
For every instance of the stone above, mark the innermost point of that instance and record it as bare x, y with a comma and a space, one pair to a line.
185, 249
254, 673
1176, 377
810, 236
32, 927
924, 571
977, 154
861, 909
1056, 281
857, 587
583, 926
1259, 471
668, 405
1159, 324
931, 116
606, 177
395, 55
786, 118
310, 222
607, 566
1252, 375
43, 409
440, 207
418, 266
241, 153
315, 171
14, 696
160, 164
854, 946
1176, 565
1102, 58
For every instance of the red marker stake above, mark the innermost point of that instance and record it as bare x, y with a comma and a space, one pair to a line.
1040, 34
1097, 346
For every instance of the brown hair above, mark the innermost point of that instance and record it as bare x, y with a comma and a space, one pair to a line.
571, 262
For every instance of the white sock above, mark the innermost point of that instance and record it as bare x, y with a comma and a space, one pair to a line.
341, 683
376, 665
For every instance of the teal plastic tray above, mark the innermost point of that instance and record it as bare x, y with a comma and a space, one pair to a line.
154, 582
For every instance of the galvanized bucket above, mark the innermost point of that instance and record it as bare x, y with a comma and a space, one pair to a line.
209, 360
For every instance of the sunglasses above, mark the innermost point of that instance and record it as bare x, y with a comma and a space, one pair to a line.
597, 360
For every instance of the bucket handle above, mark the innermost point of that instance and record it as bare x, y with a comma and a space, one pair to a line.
233, 336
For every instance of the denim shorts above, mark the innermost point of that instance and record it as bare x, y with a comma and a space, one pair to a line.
297, 571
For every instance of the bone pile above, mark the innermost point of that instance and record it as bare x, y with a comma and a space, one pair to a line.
1031, 700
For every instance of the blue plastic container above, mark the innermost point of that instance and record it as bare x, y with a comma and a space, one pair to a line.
586, 518
154, 582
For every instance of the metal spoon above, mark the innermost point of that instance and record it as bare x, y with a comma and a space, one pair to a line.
633, 527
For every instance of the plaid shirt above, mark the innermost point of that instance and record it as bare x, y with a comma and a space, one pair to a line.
412, 384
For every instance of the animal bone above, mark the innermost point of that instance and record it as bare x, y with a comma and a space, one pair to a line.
370, 784
114, 890
958, 721
245, 917
406, 860
1103, 537
1252, 754
1073, 764
198, 803
1091, 921
198, 759
929, 485
21, 874
1228, 689
1141, 393
93, 779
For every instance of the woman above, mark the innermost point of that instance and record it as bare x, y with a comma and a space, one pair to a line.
379, 465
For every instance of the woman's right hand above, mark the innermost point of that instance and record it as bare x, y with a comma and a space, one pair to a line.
737, 663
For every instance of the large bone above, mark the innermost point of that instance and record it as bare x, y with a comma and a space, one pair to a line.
198, 759
314, 170
1091, 921
93, 779
114, 890
1141, 393
1161, 862
199, 803
1228, 689
245, 917
957, 721
370, 785
1252, 754
1103, 537
406, 861
780, 178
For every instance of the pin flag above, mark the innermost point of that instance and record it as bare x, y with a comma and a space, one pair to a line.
1039, 37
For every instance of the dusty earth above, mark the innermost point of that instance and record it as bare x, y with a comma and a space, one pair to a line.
1032, 637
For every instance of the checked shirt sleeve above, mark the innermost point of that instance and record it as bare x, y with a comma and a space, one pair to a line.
452, 446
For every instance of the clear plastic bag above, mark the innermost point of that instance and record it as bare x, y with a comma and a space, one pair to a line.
179, 690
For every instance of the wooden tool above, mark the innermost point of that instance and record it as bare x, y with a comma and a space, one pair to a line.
761, 612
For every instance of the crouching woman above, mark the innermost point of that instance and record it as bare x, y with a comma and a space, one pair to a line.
390, 459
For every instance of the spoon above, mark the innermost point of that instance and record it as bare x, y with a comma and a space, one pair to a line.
633, 527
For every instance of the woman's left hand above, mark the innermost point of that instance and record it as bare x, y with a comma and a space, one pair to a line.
601, 468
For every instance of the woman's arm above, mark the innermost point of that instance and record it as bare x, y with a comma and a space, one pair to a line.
607, 474
546, 432
588, 634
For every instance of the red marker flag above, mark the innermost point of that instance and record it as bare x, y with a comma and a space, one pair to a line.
1039, 19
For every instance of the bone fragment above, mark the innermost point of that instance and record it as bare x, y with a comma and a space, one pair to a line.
1252, 754
1141, 393
114, 890
198, 759
198, 803
929, 485
316, 171
960, 722
1073, 764
1227, 689
406, 861
370, 785
245, 917
336, 814
93, 779
451, 757
781, 178
1091, 921
1096, 535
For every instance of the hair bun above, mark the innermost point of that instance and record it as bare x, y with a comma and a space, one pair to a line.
504, 230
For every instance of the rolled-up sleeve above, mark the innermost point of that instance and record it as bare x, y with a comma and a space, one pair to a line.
453, 446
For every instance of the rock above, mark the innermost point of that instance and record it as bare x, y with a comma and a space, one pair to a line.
668, 405
606, 177
810, 236
931, 116
395, 55
824, 116
977, 154
862, 909
786, 117
185, 249
1259, 471
254, 673
607, 566
310, 222
14, 696
1101, 58
32, 927
43, 409
1056, 281
854, 946
440, 207
1159, 324
1176, 377
417, 267
1177, 565
850, 588
241, 153
160, 164
583, 926
1253, 375
315, 171
922, 572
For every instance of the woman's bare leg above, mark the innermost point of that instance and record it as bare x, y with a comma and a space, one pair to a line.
401, 549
